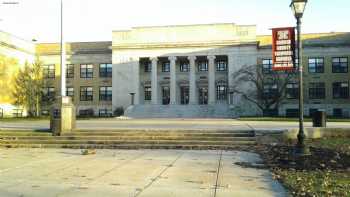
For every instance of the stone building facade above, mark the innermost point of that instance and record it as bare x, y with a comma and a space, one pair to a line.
187, 71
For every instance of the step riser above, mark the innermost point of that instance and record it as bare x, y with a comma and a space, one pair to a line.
75, 146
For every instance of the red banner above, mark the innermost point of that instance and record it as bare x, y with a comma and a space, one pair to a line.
283, 48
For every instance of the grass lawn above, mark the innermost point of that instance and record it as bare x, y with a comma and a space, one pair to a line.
325, 173
286, 119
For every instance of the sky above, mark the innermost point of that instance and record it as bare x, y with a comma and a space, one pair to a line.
94, 20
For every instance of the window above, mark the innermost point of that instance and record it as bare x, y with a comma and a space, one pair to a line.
221, 65
221, 92
70, 92
340, 65
147, 67
86, 71
316, 65
340, 90
292, 91
166, 67
148, 93
317, 90
267, 66
292, 112
203, 65
184, 67
49, 71
312, 111
48, 94
86, 94
270, 91
105, 93
70, 71
105, 70
105, 113
338, 112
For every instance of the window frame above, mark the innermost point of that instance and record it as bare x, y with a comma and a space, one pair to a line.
318, 68
184, 66
148, 93
221, 65
294, 91
339, 62
67, 92
86, 73
202, 66
341, 94
49, 71
267, 67
105, 93
221, 94
69, 70
105, 70
86, 96
313, 91
166, 67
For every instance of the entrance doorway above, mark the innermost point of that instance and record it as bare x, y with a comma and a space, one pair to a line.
185, 95
165, 95
203, 96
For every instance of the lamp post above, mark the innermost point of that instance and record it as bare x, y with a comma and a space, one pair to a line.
298, 7
63, 58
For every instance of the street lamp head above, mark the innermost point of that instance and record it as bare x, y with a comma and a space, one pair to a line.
298, 7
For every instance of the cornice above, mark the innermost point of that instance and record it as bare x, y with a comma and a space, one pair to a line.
4, 44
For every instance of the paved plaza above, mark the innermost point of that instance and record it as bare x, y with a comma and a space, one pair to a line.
153, 173
114, 123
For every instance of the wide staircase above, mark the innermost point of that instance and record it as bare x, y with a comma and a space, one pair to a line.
180, 111
130, 139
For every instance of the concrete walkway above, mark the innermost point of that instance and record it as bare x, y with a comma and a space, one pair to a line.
144, 173
114, 123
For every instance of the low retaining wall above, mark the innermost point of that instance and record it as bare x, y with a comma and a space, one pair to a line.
315, 133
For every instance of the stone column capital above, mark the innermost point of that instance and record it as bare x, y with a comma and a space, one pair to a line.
172, 58
211, 57
193, 58
154, 59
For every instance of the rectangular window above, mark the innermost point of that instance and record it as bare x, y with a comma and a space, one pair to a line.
147, 66
203, 65
292, 91
48, 94
317, 90
148, 93
340, 90
166, 67
292, 112
184, 67
105, 113
105, 93
338, 112
316, 65
49, 71
86, 93
270, 91
70, 92
221, 65
312, 111
340, 65
267, 66
221, 92
86, 71
106, 70
70, 70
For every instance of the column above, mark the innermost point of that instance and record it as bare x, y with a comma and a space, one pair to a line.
154, 81
173, 96
211, 80
136, 62
193, 88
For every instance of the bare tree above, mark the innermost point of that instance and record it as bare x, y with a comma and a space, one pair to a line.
264, 88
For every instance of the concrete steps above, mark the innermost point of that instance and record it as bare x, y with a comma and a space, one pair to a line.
131, 139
